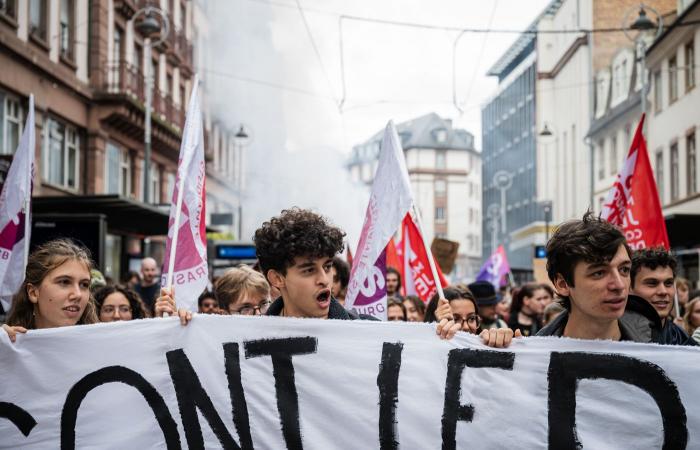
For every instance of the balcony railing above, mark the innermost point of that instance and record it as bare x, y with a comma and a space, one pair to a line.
122, 78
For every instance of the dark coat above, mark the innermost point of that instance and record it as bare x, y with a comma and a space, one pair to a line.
639, 323
335, 310
672, 334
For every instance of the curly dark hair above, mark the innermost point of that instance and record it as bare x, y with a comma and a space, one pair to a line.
295, 232
652, 258
591, 239
138, 307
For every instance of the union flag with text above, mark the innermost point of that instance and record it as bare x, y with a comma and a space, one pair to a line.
633, 202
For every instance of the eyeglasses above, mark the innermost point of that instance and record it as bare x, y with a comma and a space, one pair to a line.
249, 310
109, 309
472, 320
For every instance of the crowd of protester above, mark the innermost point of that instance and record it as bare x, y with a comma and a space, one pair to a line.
598, 289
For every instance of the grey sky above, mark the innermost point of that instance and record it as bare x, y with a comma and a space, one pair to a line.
301, 139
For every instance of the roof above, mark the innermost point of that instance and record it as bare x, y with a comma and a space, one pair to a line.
669, 29
125, 215
423, 132
524, 42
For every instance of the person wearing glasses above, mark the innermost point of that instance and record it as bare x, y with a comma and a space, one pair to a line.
243, 291
462, 306
116, 303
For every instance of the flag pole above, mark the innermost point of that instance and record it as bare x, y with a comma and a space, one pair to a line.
676, 303
28, 198
431, 260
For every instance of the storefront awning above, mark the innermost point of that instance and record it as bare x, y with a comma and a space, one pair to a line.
683, 230
124, 216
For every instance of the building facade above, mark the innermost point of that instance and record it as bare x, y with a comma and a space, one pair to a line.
84, 61
445, 173
672, 132
508, 139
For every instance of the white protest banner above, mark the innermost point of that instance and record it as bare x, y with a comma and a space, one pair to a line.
275, 383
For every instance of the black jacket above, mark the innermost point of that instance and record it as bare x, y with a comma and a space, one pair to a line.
672, 334
639, 323
335, 310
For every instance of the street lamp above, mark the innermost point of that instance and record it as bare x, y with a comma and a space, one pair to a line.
148, 27
492, 212
547, 210
242, 139
647, 32
503, 180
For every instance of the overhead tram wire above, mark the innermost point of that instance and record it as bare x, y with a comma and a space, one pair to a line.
318, 54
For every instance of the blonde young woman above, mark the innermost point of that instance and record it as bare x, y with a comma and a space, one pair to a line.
55, 291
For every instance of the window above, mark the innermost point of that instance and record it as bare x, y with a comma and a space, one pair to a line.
171, 187
689, 66
154, 192
690, 163
628, 136
37, 19
601, 159
440, 159
66, 29
613, 155
118, 171
116, 56
138, 58
660, 174
8, 8
61, 154
657, 91
440, 188
11, 125
674, 171
672, 79
440, 213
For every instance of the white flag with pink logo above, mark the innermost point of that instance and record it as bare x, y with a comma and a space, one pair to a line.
15, 214
389, 202
185, 266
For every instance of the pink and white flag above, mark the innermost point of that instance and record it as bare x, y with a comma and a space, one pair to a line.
15, 214
389, 202
185, 266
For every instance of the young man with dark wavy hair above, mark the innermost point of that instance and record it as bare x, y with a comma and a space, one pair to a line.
653, 279
295, 251
589, 264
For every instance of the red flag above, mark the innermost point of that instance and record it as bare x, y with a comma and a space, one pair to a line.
392, 256
633, 202
418, 279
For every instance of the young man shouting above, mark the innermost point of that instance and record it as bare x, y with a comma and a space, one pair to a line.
653, 278
296, 251
589, 263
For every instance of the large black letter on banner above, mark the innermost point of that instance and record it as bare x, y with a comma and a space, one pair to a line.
116, 374
281, 351
388, 384
566, 369
192, 396
453, 411
235, 389
19, 417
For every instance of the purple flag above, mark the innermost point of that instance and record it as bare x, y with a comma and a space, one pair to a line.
495, 268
